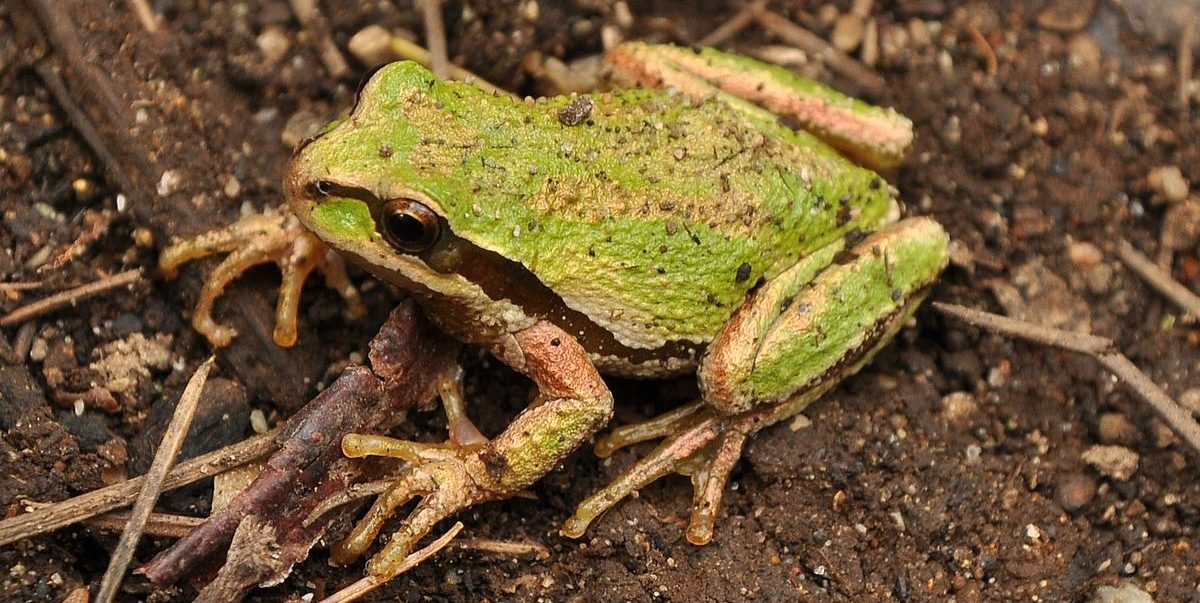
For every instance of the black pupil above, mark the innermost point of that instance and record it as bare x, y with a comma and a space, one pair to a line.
406, 228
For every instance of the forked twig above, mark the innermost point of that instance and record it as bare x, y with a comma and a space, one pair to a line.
1100, 348
58, 300
1158, 279
172, 441
735, 24
840, 62
61, 514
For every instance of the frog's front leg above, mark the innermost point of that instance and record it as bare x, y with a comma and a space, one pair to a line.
793, 340
272, 236
572, 404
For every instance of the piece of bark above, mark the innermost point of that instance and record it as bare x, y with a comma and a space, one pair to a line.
408, 357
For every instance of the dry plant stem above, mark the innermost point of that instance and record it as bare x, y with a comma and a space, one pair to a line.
1159, 279
22, 286
1185, 60
413, 52
145, 15
734, 25
159, 524
853, 71
1101, 349
172, 441
360, 588
73, 510
536, 550
72, 296
310, 17
435, 37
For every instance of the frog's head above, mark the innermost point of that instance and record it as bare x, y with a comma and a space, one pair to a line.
377, 184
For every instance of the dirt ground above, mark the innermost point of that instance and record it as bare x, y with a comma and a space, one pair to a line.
951, 468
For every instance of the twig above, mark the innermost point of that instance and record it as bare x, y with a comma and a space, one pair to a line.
21, 286
311, 18
435, 37
1101, 349
159, 524
852, 70
71, 296
504, 547
981, 42
356, 590
1158, 279
172, 441
1185, 60
734, 25
87, 130
413, 52
145, 15
84, 506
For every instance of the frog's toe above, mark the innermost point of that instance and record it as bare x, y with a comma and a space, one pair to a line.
699, 443
437, 473
258, 239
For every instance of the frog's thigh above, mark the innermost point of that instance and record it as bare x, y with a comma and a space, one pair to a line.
822, 319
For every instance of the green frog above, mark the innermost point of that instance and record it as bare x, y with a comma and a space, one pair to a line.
711, 215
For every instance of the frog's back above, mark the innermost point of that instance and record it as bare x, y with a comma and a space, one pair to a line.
651, 214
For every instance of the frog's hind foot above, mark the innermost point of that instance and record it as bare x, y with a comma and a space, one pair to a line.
699, 443
257, 239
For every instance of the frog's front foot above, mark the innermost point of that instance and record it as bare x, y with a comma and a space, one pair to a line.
699, 443
267, 237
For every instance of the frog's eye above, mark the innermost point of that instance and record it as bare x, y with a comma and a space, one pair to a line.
409, 225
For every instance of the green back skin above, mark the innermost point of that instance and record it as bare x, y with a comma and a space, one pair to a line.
654, 216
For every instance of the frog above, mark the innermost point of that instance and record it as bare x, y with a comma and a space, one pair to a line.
706, 214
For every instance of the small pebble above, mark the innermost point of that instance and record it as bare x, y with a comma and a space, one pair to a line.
1114, 428
1181, 225
274, 44
1099, 279
1083, 55
1117, 462
372, 45
1075, 491
958, 406
1085, 255
1127, 592
1168, 181
1190, 399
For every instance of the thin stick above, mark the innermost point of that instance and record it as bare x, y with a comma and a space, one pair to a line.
73, 510
840, 62
1185, 60
164, 525
72, 296
145, 15
413, 52
735, 24
356, 590
1158, 279
1176, 416
172, 441
435, 37
310, 17
1067, 340
21, 286
504, 547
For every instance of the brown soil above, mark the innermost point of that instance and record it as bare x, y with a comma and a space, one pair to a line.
897, 491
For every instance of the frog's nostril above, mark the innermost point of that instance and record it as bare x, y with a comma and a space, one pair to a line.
322, 187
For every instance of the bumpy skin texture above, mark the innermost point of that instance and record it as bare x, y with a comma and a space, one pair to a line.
654, 216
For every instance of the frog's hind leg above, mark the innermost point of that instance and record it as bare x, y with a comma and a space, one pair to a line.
257, 239
793, 340
874, 136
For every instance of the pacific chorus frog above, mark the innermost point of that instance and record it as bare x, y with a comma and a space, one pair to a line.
673, 225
